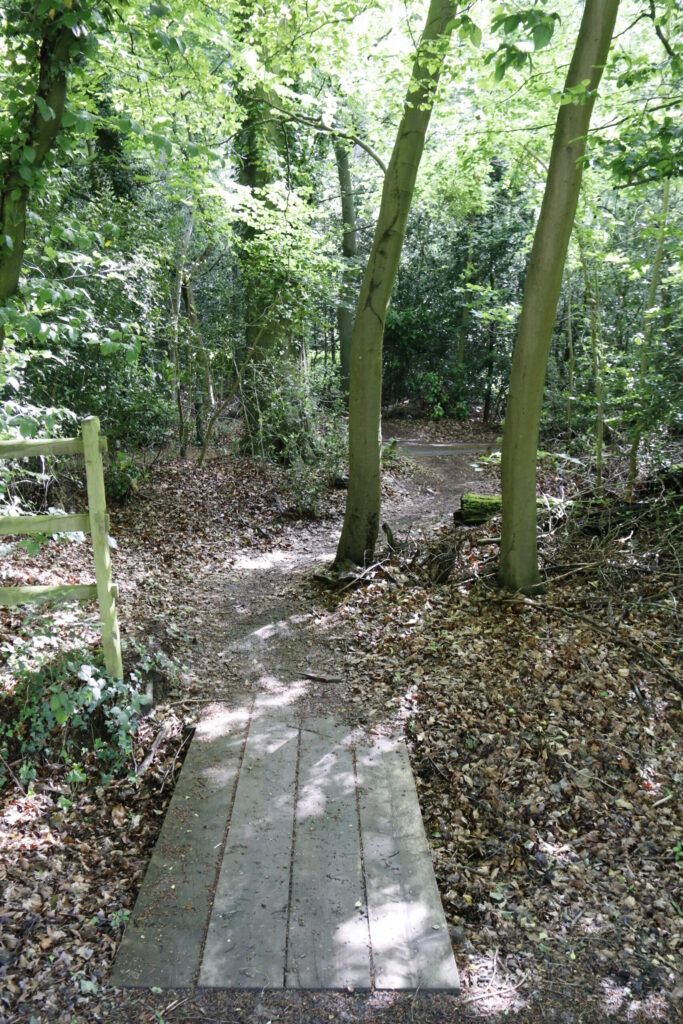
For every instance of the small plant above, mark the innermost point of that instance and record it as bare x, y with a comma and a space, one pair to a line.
119, 918
63, 708
122, 477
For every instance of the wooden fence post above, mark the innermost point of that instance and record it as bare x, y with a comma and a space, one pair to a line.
97, 506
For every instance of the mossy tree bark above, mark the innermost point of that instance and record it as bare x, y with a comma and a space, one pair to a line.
518, 554
361, 519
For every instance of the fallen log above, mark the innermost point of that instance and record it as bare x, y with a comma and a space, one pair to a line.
479, 508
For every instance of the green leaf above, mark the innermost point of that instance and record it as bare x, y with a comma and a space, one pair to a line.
28, 155
47, 113
542, 34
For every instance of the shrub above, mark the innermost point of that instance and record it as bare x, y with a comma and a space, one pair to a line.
295, 418
65, 707
122, 477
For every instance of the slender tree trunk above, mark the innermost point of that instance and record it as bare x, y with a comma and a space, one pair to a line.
176, 300
570, 352
347, 297
199, 360
465, 314
489, 356
596, 362
53, 59
361, 519
518, 551
263, 142
489, 373
645, 345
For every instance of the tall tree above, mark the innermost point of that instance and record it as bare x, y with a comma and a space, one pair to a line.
361, 518
350, 252
518, 553
44, 43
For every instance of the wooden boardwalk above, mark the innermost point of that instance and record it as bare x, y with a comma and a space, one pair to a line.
292, 856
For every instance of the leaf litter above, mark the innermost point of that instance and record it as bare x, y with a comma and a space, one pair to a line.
545, 754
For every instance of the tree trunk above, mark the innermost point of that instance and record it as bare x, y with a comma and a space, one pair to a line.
361, 519
518, 554
176, 356
264, 143
199, 362
50, 93
645, 346
570, 353
350, 251
596, 364
467, 278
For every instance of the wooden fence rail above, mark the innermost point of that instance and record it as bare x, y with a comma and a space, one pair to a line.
91, 445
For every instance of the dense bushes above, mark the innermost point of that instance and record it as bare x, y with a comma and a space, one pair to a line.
294, 416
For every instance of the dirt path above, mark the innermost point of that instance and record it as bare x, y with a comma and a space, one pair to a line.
263, 625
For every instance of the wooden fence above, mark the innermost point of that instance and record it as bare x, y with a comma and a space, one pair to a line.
96, 522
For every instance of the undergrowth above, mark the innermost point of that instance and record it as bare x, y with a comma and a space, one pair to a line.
58, 706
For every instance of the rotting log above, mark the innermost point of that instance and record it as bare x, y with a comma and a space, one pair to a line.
479, 508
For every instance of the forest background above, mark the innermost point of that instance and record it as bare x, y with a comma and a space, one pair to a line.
189, 193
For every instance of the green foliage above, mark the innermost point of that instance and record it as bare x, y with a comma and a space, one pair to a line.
440, 394
293, 417
122, 477
64, 707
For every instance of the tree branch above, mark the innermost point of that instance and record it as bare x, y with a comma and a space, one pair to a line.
320, 126
658, 29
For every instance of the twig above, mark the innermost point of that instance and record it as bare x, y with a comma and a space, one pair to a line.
602, 628
361, 575
319, 678
161, 735
436, 767
16, 780
174, 1005
584, 772
175, 758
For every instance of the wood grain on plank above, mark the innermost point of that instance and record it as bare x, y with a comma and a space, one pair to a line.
29, 526
36, 446
163, 940
10, 597
328, 944
246, 940
410, 942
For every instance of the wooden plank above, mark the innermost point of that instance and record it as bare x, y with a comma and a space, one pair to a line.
410, 942
36, 446
163, 939
246, 940
97, 510
29, 526
328, 945
10, 597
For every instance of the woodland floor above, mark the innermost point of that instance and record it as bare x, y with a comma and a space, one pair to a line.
543, 735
